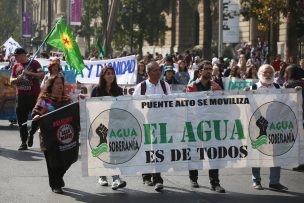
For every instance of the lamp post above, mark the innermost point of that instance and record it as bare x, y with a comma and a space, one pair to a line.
220, 28
49, 25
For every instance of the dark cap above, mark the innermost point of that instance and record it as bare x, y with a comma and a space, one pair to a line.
201, 66
19, 51
168, 58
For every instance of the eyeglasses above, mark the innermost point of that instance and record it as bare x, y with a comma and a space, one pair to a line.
156, 69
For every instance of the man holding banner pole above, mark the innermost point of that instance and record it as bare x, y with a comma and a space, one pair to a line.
26, 75
204, 83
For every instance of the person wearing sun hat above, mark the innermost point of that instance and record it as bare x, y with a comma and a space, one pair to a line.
54, 68
169, 75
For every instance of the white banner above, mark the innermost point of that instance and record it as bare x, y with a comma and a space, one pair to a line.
3, 64
125, 69
10, 46
202, 130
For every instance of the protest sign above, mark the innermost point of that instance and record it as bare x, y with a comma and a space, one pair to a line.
201, 130
60, 134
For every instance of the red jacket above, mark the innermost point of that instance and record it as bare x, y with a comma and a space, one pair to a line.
193, 87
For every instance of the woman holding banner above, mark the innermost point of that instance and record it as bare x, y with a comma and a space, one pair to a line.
108, 86
58, 159
293, 79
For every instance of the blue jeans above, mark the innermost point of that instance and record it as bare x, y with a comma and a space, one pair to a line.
115, 177
274, 176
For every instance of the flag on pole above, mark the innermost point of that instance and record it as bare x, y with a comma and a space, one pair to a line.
101, 49
61, 38
10, 46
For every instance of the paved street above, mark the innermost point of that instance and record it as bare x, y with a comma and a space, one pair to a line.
23, 178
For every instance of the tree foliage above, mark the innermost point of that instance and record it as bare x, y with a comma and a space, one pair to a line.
10, 24
139, 21
268, 11
92, 9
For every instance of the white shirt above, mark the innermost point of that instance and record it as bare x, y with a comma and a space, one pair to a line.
152, 89
259, 85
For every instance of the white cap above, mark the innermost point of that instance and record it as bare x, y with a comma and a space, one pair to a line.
197, 58
215, 61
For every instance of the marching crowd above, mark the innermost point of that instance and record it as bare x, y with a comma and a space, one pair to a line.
155, 73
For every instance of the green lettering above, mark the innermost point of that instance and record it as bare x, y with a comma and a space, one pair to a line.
133, 133
290, 126
112, 134
150, 133
278, 126
200, 131
272, 126
217, 129
237, 130
188, 132
119, 133
163, 133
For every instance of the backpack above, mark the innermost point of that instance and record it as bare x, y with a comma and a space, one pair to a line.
254, 86
143, 87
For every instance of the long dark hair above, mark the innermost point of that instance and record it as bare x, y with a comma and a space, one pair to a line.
186, 67
115, 89
292, 72
47, 89
46, 92
250, 74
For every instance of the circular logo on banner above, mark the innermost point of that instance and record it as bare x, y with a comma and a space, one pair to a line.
273, 128
115, 136
65, 134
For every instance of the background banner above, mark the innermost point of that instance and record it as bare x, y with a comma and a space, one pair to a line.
8, 93
75, 15
237, 84
125, 69
27, 24
202, 130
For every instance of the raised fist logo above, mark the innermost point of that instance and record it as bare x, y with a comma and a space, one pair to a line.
262, 124
102, 132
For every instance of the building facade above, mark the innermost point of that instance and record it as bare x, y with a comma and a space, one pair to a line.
186, 25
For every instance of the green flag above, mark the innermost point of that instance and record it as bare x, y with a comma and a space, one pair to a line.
101, 49
62, 38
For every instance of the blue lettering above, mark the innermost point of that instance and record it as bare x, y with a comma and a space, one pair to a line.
99, 66
119, 68
89, 69
114, 65
132, 66
124, 67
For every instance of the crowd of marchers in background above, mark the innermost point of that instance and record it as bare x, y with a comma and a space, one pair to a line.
155, 73
181, 68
